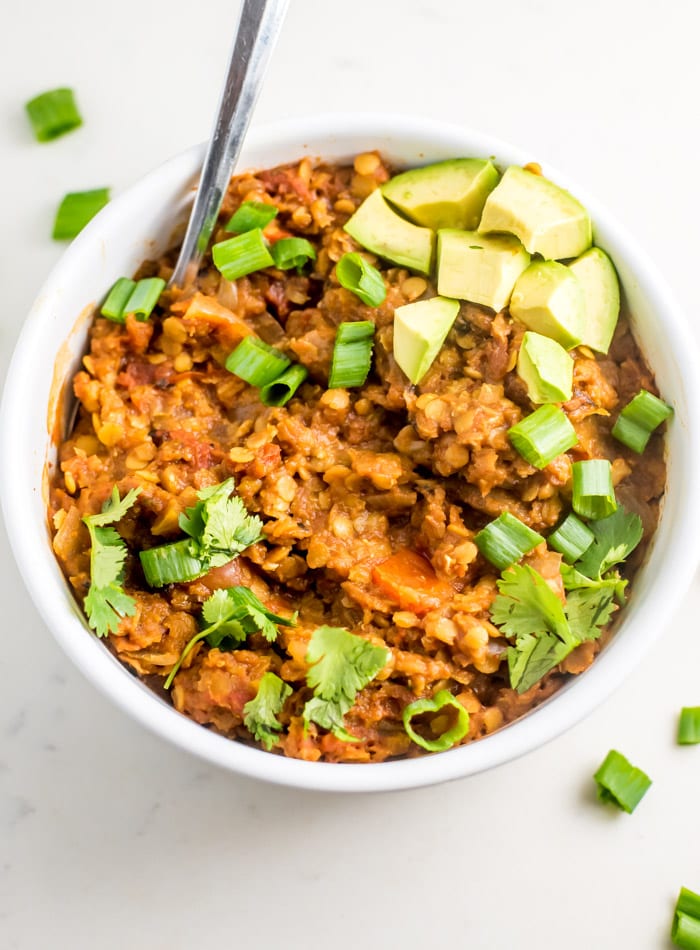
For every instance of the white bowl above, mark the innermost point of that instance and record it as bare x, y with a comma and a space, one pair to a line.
138, 224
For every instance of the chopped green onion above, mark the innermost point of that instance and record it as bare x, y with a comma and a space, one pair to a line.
365, 281
281, 390
685, 931
451, 735
251, 215
593, 492
170, 564
53, 113
505, 540
352, 354
620, 782
144, 297
76, 209
113, 307
688, 903
689, 726
543, 435
292, 252
571, 539
256, 362
242, 255
639, 419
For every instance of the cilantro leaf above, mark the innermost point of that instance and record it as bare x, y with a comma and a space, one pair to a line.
532, 657
107, 602
341, 664
233, 613
588, 609
220, 525
526, 604
615, 537
260, 714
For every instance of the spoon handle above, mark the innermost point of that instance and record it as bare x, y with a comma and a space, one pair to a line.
259, 25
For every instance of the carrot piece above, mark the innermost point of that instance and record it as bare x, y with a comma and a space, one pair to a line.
409, 580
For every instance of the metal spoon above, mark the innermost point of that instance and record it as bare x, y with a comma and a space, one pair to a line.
259, 25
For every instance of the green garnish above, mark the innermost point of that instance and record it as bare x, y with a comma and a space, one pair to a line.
689, 726
614, 539
685, 930
639, 419
75, 210
571, 539
543, 435
232, 613
505, 540
621, 783
359, 276
280, 390
439, 702
241, 255
260, 714
256, 362
251, 215
53, 113
292, 252
593, 492
544, 629
352, 354
113, 307
341, 664
107, 602
219, 527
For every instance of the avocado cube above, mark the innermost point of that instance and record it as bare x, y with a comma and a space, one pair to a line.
478, 267
448, 194
420, 329
548, 220
601, 291
546, 369
379, 229
548, 298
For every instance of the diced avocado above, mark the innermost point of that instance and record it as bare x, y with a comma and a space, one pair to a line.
601, 291
546, 369
548, 220
420, 329
549, 299
382, 231
448, 194
479, 267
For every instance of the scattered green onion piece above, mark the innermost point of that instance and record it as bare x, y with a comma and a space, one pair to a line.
256, 362
281, 390
640, 417
505, 540
113, 307
242, 255
571, 539
170, 564
251, 215
620, 782
292, 252
53, 113
543, 435
593, 492
76, 209
352, 354
685, 931
688, 903
689, 727
357, 275
440, 701
144, 297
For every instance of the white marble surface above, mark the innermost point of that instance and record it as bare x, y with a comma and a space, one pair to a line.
111, 839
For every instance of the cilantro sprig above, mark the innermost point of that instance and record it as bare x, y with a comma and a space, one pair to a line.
107, 601
341, 664
544, 629
233, 613
260, 714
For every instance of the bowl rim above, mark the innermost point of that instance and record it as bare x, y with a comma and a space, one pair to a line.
571, 703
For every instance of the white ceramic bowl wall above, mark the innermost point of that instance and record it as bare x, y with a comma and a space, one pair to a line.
137, 225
